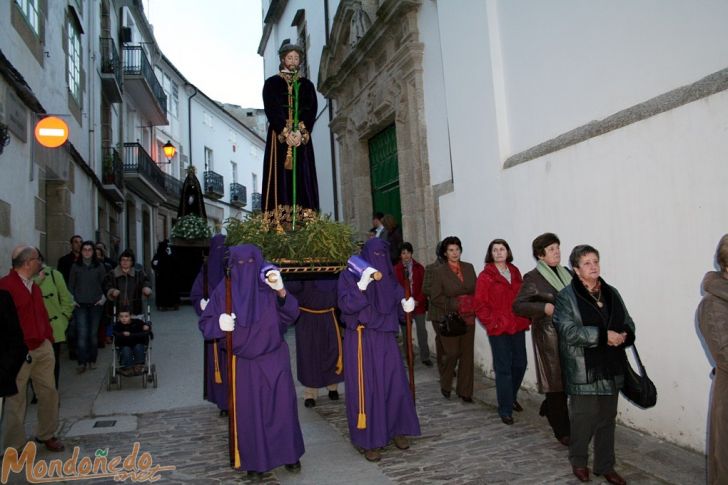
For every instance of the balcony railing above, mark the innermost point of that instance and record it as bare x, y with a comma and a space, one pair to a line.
112, 170
137, 64
214, 186
137, 160
173, 187
238, 194
256, 200
110, 62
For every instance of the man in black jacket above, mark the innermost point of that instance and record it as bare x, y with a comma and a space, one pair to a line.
65, 262
12, 347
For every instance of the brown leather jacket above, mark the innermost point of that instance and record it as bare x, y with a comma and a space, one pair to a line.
530, 302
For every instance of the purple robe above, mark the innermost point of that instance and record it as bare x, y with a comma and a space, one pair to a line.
388, 404
268, 432
215, 392
318, 341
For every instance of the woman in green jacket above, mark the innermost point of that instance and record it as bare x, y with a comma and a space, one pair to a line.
59, 304
594, 328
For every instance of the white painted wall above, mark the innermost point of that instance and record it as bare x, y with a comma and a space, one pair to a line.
648, 196
609, 55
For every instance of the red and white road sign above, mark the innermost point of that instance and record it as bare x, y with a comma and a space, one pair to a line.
51, 132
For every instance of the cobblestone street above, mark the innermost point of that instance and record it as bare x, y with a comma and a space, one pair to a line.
461, 443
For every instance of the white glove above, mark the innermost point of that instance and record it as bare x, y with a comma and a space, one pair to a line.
275, 275
227, 322
203, 303
408, 304
366, 278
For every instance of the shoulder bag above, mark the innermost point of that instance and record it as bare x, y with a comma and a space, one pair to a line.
638, 387
452, 325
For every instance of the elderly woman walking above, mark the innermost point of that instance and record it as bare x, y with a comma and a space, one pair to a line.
536, 301
497, 287
713, 322
451, 289
594, 328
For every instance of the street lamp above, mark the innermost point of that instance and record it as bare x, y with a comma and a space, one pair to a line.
169, 151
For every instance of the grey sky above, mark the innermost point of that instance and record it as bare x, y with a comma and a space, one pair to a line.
213, 43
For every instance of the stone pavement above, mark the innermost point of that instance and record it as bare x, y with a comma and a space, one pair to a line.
461, 443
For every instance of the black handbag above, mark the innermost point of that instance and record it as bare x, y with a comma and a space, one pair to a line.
452, 326
638, 387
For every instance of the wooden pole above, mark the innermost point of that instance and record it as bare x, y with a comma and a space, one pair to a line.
410, 350
229, 348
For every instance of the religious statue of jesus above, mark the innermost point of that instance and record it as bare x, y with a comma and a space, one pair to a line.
290, 187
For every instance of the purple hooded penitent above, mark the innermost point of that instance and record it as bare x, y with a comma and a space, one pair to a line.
388, 404
215, 385
317, 333
268, 431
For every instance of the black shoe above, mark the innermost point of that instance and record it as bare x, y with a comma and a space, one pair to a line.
427, 362
445, 394
543, 409
334, 395
294, 467
507, 420
254, 476
466, 399
309, 403
34, 400
223, 413
517, 407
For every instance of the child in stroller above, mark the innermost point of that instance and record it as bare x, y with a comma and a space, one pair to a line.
131, 336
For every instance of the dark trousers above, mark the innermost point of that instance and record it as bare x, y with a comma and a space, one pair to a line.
87, 328
556, 410
458, 351
593, 416
509, 363
439, 351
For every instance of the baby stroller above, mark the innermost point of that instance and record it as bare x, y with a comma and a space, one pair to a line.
148, 370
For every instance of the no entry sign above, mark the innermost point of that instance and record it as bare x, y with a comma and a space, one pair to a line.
51, 132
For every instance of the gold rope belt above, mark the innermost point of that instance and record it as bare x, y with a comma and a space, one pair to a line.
218, 376
332, 310
362, 422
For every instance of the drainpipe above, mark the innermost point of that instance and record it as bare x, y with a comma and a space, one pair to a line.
331, 132
189, 120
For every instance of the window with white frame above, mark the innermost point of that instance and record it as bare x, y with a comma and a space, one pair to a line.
234, 167
30, 9
174, 100
209, 161
73, 61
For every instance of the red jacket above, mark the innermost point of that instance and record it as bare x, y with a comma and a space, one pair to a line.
31, 310
493, 300
418, 276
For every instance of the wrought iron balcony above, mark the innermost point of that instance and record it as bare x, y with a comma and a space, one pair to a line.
142, 174
214, 186
110, 70
143, 86
256, 199
173, 187
112, 173
238, 195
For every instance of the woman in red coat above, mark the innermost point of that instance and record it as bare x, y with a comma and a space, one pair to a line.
407, 270
495, 290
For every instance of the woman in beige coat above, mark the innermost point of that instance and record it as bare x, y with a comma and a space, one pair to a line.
713, 321
451, 290
536, 301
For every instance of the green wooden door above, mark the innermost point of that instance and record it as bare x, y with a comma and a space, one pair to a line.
385, 173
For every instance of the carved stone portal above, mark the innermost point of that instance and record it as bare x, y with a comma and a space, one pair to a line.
375, 82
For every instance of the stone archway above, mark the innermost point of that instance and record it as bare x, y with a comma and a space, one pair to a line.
375, 78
